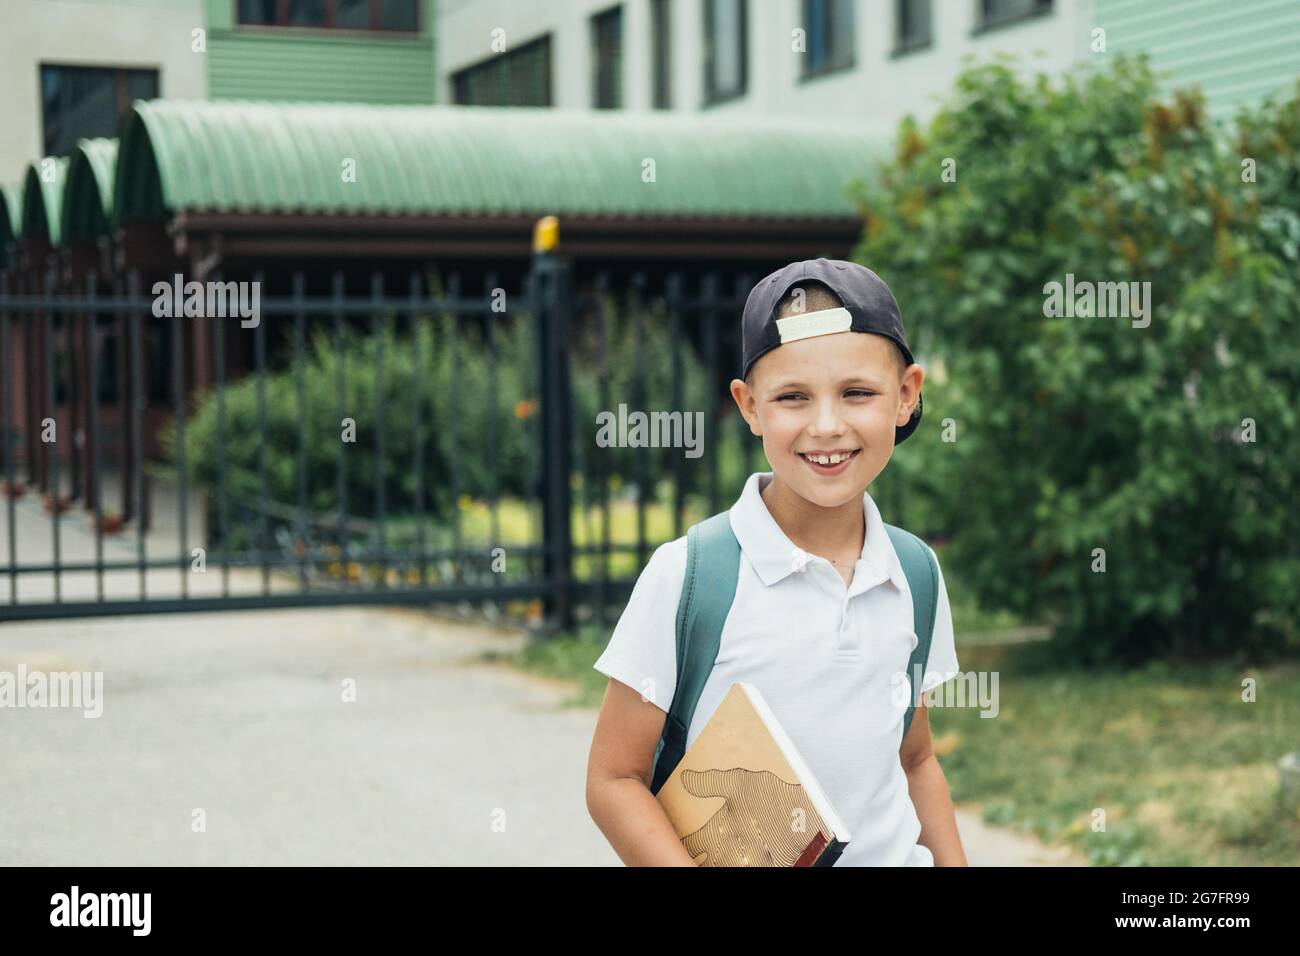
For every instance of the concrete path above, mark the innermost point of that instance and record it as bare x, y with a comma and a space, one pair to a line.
41, 541
240, 716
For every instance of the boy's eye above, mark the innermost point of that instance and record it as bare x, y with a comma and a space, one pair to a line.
854, 392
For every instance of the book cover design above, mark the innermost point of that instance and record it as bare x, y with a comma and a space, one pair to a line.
735, 800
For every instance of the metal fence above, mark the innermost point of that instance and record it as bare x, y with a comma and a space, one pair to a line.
359, 446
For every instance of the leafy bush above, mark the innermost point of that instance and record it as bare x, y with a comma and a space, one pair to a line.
635, 362
485, 429
1083, 433
453, 393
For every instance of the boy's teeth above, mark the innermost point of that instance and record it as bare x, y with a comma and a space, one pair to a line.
828, 459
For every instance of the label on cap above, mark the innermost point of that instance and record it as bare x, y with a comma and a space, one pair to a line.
814, 323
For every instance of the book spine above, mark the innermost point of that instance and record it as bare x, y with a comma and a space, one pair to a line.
813, 850
831, 855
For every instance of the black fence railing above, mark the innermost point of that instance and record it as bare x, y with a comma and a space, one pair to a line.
316, 440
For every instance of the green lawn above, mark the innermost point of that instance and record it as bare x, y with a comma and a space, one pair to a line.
1185, 771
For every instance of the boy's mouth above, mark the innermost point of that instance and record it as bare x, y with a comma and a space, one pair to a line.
829, 462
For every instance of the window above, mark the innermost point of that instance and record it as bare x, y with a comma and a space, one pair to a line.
913, 25
352, 15
995, 13
306, 13
402, 16
399, 15
724, 49
607, 59
518, 77
660, 56
261, 12
829, 27
86, 101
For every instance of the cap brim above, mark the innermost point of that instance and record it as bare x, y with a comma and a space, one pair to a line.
901, 433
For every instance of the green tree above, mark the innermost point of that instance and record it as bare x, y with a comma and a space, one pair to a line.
1170, 447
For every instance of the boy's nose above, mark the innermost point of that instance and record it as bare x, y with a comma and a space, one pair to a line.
827, 419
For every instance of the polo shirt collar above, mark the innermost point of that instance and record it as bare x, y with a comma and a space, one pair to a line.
774, 556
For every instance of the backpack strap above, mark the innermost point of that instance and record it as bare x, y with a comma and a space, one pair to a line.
712, 568
922, 573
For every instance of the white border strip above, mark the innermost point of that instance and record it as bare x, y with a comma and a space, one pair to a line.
804, 326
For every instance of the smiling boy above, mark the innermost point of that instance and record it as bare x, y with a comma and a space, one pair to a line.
822, 618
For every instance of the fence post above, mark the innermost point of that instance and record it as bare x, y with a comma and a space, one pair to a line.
551, 282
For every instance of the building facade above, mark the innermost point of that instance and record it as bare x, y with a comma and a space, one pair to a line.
347, 51
870, 61
865, 61
70, 69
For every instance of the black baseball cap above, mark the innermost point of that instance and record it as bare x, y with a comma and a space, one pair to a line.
867, 306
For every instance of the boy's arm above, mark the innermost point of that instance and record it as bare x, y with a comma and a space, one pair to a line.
619, 773
929, 792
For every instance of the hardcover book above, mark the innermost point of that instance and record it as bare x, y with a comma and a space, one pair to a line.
743, 796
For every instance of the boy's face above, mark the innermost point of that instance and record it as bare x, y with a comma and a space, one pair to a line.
841, 392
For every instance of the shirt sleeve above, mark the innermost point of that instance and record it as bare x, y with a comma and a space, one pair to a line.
942, 663
642, 652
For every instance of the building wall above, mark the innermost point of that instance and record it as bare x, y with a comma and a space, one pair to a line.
465, 31
878, 89
155, 34
281, 64
1238, 52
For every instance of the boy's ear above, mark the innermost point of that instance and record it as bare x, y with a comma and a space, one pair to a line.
745, 401
909, 391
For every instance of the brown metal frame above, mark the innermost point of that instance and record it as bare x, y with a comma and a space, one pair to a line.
207, 239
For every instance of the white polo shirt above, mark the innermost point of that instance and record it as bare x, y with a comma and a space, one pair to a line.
822, 655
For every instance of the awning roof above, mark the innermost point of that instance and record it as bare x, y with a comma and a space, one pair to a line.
88, 193
259, 158
43, 197
11, 222
11, 217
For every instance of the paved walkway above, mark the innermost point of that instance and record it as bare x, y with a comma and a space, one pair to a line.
36, 535
441, 759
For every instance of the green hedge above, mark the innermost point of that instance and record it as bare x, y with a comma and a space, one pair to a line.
416, 372
459, 405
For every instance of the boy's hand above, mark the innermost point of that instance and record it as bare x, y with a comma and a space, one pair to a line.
928, 789
619, 772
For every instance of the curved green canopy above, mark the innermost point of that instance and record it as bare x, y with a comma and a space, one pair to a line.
88, 192
349, 159
43, 197
11, 217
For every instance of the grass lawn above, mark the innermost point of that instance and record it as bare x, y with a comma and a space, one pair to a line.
1184, 771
